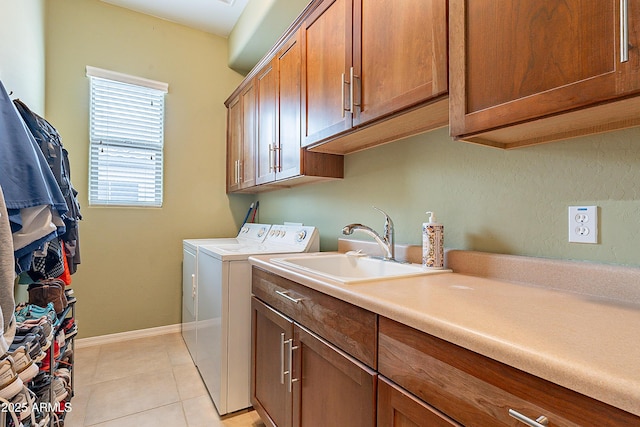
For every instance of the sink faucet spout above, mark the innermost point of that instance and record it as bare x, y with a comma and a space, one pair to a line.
386, 242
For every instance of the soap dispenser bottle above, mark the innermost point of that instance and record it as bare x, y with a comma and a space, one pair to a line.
432, 243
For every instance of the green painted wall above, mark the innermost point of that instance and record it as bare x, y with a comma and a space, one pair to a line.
130, 276
22, 47
22, 67
512, 202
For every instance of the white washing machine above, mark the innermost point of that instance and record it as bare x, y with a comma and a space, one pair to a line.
223, 324
249, 234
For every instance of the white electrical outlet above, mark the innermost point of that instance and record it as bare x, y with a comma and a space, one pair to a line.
583, 224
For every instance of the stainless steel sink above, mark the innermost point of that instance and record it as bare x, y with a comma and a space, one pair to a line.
347, 268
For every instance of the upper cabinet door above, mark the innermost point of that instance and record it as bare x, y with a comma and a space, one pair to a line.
517, 61
267, 135
234, 144
400, 55
288, 153
327, 60
247, 167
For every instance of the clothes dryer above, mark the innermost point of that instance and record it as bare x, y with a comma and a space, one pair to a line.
249, 234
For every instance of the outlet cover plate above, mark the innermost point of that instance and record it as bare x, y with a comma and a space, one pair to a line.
583, 224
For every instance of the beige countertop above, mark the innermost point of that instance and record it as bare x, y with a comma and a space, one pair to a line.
589, 343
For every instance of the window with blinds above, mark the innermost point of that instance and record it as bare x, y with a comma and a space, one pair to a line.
126, 132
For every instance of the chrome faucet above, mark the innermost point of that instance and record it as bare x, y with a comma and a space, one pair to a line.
386, 242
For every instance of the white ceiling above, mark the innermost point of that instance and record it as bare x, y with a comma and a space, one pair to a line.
213, 16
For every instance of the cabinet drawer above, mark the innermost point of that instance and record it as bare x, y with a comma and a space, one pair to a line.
350, 328
476, 390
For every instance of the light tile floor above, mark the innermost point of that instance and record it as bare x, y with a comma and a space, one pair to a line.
144, 382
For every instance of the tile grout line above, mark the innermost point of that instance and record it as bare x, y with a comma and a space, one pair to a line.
136, 413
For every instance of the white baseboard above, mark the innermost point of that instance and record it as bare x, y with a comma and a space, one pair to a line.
125, 336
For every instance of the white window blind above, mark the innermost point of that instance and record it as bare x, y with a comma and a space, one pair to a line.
126, 129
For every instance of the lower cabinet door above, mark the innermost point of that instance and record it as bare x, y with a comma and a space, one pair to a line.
270, 352
398, 408
330, 387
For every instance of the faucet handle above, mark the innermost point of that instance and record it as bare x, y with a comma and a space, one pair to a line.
388, 223
387, 217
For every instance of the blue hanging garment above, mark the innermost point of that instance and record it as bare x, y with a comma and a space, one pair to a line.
25, 177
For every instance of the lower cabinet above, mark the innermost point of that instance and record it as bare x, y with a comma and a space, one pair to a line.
320, 361
270, 395
477, 391
398, 408
299, 379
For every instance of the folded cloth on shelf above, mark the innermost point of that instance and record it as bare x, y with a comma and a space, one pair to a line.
38, 226
48, 263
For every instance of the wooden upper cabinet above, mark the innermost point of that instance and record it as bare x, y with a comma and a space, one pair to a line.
515, 62
400, 51
327, 60
281, 162
241, 112
367, 62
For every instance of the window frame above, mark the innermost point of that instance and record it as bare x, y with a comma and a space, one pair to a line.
120, 175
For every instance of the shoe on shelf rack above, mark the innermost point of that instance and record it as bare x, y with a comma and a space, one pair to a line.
36, 373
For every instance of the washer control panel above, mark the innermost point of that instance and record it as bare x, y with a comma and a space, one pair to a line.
295, 236
254, 232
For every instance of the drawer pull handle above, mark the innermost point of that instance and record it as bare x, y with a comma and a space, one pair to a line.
541, 421
284, 294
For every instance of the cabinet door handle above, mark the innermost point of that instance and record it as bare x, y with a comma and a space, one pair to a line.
282, 371
541, 421
235, 171
290, 371
271, 166
240, 166
285, 295
342, 83
624, 31
277, 161
352, 84
193, 285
